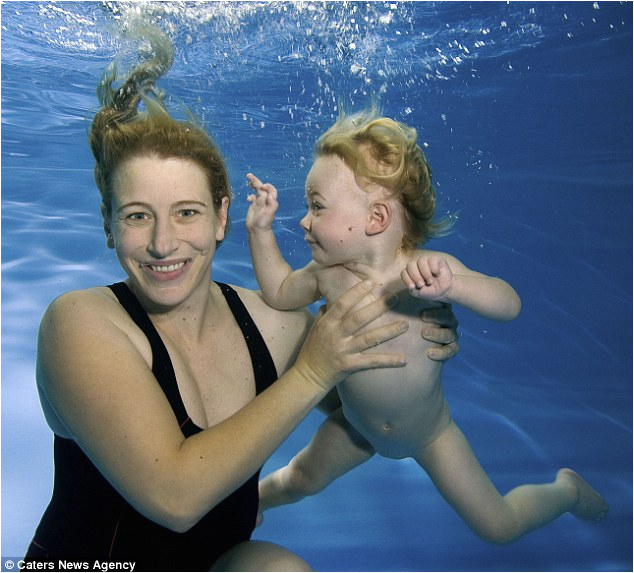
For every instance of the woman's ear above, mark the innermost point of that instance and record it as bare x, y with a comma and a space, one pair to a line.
222, 217
379, 217
106, 226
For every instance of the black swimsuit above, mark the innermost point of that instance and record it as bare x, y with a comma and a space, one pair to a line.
87, 519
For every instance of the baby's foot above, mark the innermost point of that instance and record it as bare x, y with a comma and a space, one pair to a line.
590, 505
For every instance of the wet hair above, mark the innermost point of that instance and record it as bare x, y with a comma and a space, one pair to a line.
383, 151
120, 131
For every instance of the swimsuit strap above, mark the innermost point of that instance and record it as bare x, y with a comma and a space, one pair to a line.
264, 369
162, 367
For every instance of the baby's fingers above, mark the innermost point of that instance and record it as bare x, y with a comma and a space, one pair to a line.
425, 271
253, 181
407, 279
412, 276
437, 265
262, 188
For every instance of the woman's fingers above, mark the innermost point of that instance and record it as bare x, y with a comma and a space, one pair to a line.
445, 352
349, 299
372, 338
354, 319
359, 338
340, 337
441, 327
441, 317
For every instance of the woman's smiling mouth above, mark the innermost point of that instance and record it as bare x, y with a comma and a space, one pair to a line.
165, 268
167, 271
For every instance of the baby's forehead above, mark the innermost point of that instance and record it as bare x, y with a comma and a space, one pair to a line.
310, 190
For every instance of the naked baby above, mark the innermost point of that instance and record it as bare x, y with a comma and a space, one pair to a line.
371, 204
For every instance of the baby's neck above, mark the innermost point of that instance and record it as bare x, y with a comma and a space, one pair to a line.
379, 267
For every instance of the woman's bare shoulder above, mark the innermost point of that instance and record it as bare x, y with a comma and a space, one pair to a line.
88, 314
260, 311
93, 300
79, 334
283, 330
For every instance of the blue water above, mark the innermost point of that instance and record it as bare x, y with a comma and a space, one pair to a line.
525, 111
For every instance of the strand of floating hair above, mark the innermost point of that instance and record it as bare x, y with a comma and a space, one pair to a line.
143, 78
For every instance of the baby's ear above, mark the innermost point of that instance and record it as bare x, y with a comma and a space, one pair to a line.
379, 217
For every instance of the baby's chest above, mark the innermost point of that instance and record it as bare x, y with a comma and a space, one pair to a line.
333, 282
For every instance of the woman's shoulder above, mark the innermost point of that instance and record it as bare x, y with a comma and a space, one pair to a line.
90, 313
76, 305
283, 330
264, 314
79, 334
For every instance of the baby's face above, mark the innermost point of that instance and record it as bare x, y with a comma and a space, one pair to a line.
338, 212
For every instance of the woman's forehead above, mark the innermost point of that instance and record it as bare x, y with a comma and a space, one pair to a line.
153, 177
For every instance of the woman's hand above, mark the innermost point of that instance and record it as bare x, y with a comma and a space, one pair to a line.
440, 326
336, 345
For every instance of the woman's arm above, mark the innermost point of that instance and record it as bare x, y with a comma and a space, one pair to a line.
100, 387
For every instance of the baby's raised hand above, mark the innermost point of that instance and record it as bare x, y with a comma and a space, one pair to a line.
428, 277
263, 206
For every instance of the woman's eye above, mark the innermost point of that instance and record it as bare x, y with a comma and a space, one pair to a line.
187, 213
136, 216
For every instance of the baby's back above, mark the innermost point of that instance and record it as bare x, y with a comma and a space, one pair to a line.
398, 410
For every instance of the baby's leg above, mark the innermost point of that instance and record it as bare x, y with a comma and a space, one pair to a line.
460, 479
335, 449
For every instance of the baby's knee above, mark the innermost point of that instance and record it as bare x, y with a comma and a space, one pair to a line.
303, 480
498, 532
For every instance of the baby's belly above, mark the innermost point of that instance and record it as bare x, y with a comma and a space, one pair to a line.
398, 410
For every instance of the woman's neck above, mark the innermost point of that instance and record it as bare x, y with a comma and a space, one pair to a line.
190, 319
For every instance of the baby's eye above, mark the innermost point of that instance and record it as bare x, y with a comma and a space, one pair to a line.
315, 206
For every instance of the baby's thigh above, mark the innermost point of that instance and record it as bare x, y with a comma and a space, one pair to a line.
453, 467
260, 556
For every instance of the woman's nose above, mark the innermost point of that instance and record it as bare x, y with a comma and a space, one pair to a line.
164, 240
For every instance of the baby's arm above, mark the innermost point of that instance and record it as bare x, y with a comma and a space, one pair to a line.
443, 278
282, 287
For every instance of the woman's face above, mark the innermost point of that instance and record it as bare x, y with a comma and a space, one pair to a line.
164, 228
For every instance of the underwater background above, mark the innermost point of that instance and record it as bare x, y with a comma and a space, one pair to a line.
524, 110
